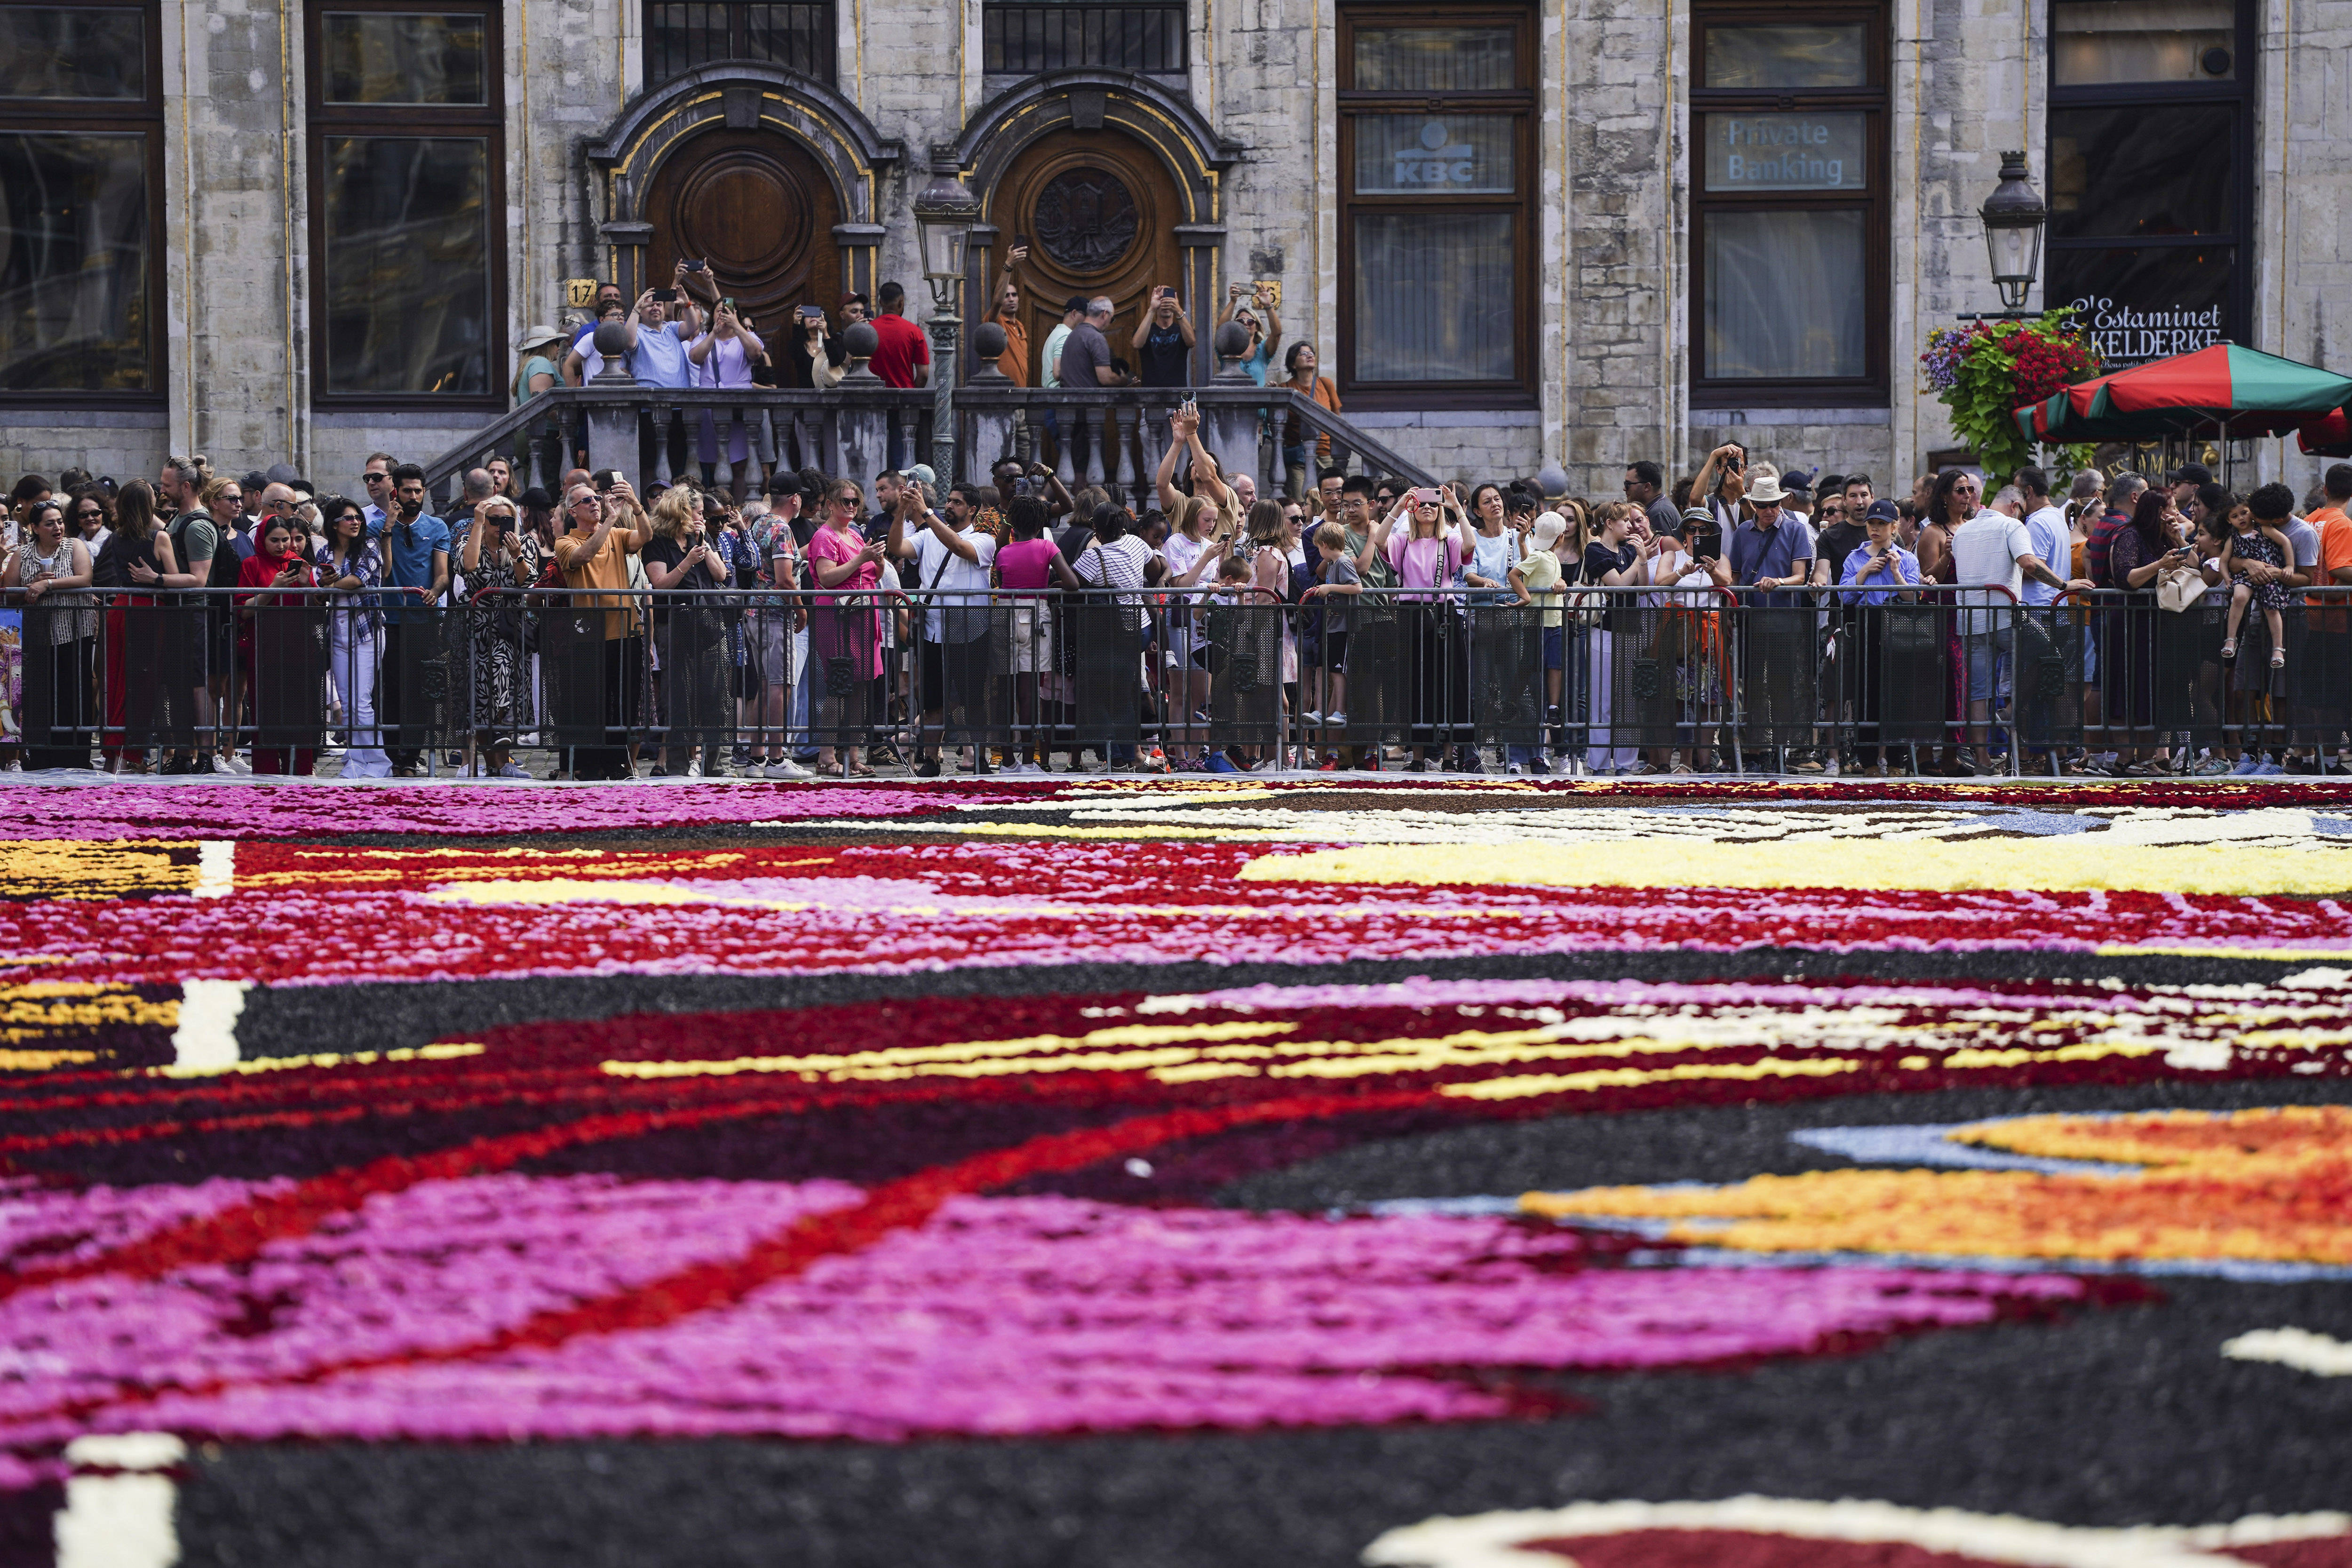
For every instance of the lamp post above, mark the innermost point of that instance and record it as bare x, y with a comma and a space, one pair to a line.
944, 215
2014, 220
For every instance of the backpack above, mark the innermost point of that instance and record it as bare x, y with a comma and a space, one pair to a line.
222, 571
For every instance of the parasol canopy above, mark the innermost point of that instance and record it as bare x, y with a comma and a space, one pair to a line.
2226, 392
2329, 436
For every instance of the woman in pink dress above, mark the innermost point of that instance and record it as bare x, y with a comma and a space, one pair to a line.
845, 634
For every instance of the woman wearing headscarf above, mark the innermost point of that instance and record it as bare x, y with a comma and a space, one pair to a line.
279, 641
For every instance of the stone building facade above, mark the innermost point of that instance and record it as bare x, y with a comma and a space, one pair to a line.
1514, 231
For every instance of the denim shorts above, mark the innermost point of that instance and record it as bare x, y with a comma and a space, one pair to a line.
1554, 639
1985, 648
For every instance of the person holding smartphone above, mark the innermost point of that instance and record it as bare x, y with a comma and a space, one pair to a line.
1164, 341
499, 556
271, 579
1264, 322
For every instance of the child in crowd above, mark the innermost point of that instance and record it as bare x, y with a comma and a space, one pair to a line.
2248, 543
1340, 580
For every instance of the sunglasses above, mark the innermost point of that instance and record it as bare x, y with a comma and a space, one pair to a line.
232, 498
89, 512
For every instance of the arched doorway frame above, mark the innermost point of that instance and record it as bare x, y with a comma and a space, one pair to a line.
1001, 130
740, 96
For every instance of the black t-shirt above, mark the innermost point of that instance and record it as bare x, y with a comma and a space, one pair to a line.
1598, 559
695, 626
790, 357
1163, 357
1837, 540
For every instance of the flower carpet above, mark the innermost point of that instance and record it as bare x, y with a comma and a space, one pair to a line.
1115, 1172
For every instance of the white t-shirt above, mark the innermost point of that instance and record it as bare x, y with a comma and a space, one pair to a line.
950, 579
1051, 369
1984, 550
1179, 553
2053, 546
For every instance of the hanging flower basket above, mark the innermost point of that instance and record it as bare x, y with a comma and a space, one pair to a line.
1984, 371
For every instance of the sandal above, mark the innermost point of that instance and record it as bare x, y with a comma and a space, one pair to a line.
2278, 658
860, 770
2230, 649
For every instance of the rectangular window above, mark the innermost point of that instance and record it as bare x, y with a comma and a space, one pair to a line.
1436, 215
680, 37
1025, 39
80, 195
2151, 165
406, 164
1789, 222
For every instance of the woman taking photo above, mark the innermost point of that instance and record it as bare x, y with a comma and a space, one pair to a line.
845, 635
499, 555
722, 359
50, 566
278, 643
1163, 342
691, 636
1612, 559
1425, 559
354, 569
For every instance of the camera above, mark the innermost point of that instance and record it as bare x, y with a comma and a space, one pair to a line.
698, 266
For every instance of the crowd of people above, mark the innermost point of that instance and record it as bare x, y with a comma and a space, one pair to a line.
2122, 625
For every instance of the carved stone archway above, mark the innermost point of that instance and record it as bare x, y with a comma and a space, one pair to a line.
742, 98
1086, 102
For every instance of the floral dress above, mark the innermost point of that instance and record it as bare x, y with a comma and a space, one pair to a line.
495, 665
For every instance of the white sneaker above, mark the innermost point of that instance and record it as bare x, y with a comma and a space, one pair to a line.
1310, 718
1334, 719
1514, 770
230, 762
785, 768
694, 769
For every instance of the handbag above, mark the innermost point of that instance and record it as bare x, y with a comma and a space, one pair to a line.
2182, 588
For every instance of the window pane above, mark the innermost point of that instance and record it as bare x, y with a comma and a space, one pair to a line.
1433, 297
685, 36
1821, 152
1437, 59
55, 51
798, 35
1435, 155
2095, 41
1784, 296
381, 56
74, 310
2140, 172
407, 263
2146, 304
1787, 57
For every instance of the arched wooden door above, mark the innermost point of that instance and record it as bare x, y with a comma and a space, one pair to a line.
1099, 211
760, 211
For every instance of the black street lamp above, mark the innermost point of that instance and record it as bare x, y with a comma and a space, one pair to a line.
944, 215
2013, 221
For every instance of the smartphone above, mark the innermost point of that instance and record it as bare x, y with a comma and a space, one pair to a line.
666, 296
697, 266
1423, 495
1020, 242
812, 314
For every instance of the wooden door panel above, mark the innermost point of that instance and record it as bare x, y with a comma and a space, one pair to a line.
1099, 212
759, 210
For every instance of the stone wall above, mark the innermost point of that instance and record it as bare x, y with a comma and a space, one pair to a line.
1613, 217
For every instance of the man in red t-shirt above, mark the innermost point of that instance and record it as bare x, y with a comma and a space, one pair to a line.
903, 358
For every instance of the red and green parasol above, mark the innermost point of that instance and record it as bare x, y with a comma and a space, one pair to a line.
2226, 392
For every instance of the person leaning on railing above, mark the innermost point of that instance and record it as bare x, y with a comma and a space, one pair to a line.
497, 556
1878, 572
49, 569
268, 584
353, 568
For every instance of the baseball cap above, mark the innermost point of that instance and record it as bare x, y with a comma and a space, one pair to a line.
1884, 511
1798, 480
1698, 514
921, 473
2191, 474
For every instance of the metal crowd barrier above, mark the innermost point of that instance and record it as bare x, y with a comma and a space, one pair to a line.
1593, 679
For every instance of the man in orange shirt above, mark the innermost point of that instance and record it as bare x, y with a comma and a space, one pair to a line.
1014, 361
2329, 657
602, 532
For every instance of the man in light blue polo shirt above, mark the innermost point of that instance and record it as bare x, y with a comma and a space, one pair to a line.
658, 359
415, 573
1775, 549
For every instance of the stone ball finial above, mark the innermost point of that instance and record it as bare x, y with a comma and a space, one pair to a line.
612, 339
1552, 479
861, 339
1232, 340
987, 341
